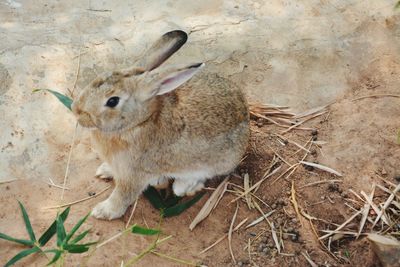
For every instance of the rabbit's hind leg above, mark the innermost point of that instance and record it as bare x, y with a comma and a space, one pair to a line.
183, 187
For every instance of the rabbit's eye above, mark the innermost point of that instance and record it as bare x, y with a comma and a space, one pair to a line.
112, 102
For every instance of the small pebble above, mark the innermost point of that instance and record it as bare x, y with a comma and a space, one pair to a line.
252, 234
344, 194
397, 178
314, 137
289, 229
294, 237
265, 250
91, 193
273, 206
308, 168
240, 263
333, 187
314, 132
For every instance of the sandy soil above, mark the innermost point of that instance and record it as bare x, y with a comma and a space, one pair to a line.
308, 55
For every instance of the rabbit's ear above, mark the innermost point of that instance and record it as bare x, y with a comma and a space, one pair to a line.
162, 49
161, 82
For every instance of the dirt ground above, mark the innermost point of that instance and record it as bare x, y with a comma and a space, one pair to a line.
309, 55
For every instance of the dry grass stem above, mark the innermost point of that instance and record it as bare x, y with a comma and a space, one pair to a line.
230, 233
271, 225
282, 174
341, 226
386, 205
78, 201
131, 215
369, 200
51, 183
373, 96
210, 204
311, 111
321, 167
294, 202
321, 182
303, 121
256, 185
8, 181
260, 219
223, 237
246, 186
309, 260
68, 162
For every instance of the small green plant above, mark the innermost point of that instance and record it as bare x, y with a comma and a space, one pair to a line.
65, 241
169, 205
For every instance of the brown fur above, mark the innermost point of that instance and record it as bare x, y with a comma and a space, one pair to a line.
191, 134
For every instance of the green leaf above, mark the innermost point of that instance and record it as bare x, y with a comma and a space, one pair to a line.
154, 197
63, 98
21, 255
57, 255
60, 231
16, 240
171, 201
179, 208
46, 236
76, 227
27, 222
79, 237
77, 248
144, 231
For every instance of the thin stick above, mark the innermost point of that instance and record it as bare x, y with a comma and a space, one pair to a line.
230, 234
377, 95
223, 237
130, 216
256, 184
321, 182
51, 183
78, 201
173, 259
387, 204
303, 121
341, 226
307, 257
8, 181
373, 206
77, 71
68, 162
294, 202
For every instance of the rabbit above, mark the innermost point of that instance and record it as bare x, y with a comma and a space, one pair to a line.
150, 124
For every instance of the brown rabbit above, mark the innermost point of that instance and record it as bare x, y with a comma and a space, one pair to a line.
148, 126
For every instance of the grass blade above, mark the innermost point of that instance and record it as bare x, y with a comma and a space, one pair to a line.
27, 222
46, 236
60, 231
79, 237
179, 208
57, 255
21, 255
77, 248
16, 240
63, 98
76, 227
144, 231
154, 197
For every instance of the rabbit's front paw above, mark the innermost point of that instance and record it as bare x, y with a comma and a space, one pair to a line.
108, 210
104, 171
